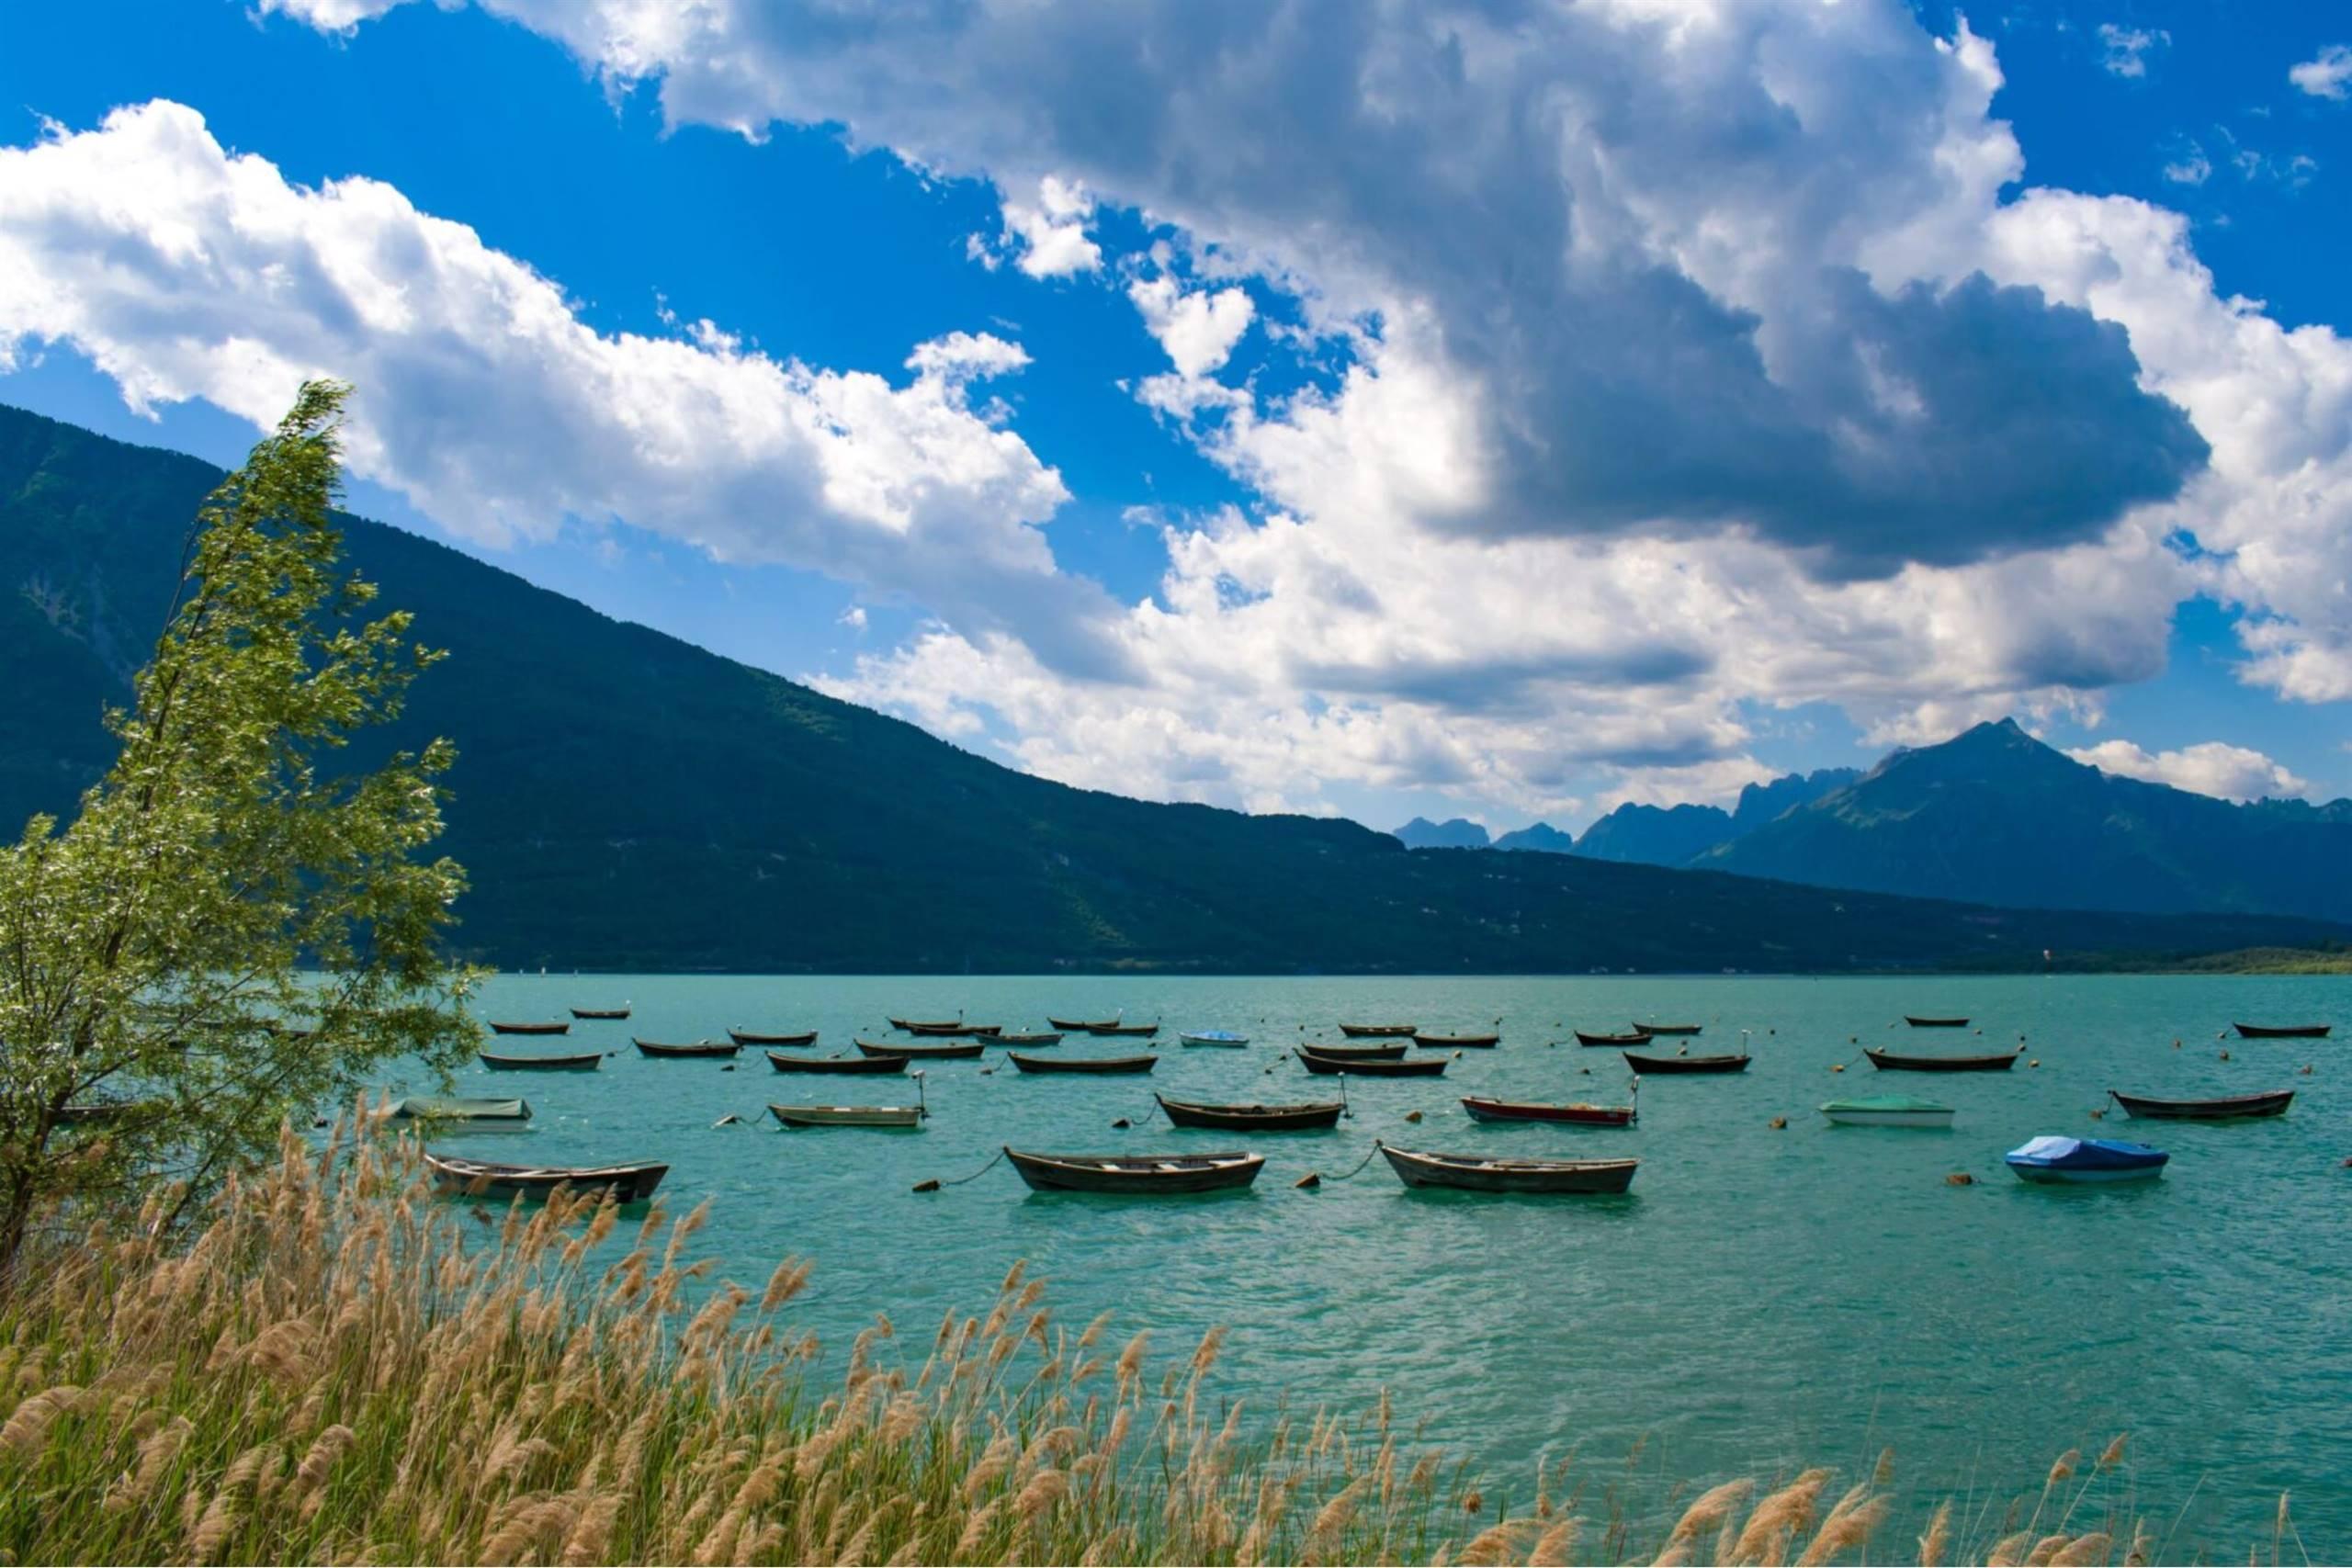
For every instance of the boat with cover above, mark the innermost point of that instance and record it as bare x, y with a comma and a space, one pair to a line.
1377, 1031
957, 1053
837, 1064
2230, 1108
2282, 1031
1226, 1038
496, 1062
600, 1013
2056, 1159
702, 1049
1374, 1066
1638, 1037
754, 1037
1136, 1173
562, 1026
627, 1183
1935, 1022
1888, 1061
1642, 1064
1454, 1041
1675, 1029
1357, 1053
1887, 1110
1310, 1116
1577, 1114
455, 1108
1082, 1064
1497, 1173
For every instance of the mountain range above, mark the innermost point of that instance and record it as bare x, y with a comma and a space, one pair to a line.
1995, 816
624, 800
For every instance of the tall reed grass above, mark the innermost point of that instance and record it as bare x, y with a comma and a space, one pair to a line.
342, 1368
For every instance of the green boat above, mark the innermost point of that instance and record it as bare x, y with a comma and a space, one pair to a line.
455, 1108
1888, 1110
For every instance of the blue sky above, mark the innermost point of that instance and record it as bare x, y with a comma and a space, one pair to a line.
1392, 344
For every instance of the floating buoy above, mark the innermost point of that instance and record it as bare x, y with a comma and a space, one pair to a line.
2176, 1044
1959, 1178
1586, 1071
927, 1186
2035, 1063
1778, 1121
2307, 1070
2225, 1055
730, 1120
1123, 1122
727, 1069
1412, 1116
2098, 1115
1853, 1039
1311, 1180
1838, 1067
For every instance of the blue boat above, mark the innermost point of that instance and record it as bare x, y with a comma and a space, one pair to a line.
1227, 1038
2085, 1159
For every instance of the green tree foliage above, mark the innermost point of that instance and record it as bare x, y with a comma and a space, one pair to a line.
230, 932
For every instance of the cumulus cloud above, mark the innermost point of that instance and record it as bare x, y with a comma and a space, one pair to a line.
2124, 51
1196, 327
183, 271
1047, 237
2232, 772
2327, 74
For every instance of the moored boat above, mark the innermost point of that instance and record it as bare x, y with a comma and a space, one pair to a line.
1374, 1066
1377, 1031
1935, 1022
1454, 1041
952, 1031
560, 1026
1576, 1114
1082, 1064
1674, 1029
1888, 1061
959, 1053
1308, 1116
2230, 1108
837, 1064
1136, 1173
1357, 1053
1497, 1173
700, 1049
1137, 1031
1638, 1037
1887, 1110
498, 1063
2282, 1031
848, 1115
457, 1108
2056, 1159
627, 1183
754, 1037
1041, 1037
1082, 1025
1642, 1064
599, 1013
1226, 1038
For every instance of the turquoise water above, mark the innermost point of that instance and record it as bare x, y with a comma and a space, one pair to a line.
1762, 1300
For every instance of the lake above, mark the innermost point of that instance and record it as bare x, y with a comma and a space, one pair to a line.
1763, 1299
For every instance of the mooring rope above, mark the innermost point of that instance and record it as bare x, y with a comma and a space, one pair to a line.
934, 1184
1360, 1165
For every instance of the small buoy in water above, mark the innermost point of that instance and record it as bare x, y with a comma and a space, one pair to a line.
2347, 1163
1853, 1039
2098, 1115
730, 1120
988, 1072
2035, 1063
1771, 1031
727, 1069
1311, 1182
1586, 1071
2225, 1055
2176, 1044
1959, 1178
927, 1186
2307, 1070
1838, 1067
1123, 1122
323, 1121
1778, 1121
1412, 1116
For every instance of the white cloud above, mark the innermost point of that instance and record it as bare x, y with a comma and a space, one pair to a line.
185, 272
2191, 168
2327, 74
2232, 772
1047, 237
1199, 328
2125, 51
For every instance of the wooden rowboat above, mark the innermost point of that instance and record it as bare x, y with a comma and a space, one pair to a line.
454, 1108
848, 1115
1484, 1173
1136, 1173
1638, 1037
1040, 1038
1888, 1061
1887, 1110
1083, 1026
1357, 1053
1374, 1066
922, 1053
1377, 1031
2282, 1031
946, 1027
2231, 1108
1935, 1022
1454, 1041
582, 1063
627, 1183
753, 1037
560, 1027
837, 1064
1676, 1029
1311, 1116
1082, 1064
703, 1049
1578, 1115
1222, 1039
1140, 1031
1642, 1064
600, 1012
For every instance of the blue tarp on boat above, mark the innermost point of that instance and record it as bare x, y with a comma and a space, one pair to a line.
2085, 1159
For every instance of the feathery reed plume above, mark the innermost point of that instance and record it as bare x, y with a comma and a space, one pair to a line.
1937, 1539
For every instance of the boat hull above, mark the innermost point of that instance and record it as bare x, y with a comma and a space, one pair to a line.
1308, 1118
1856, 1116
1935, 1022
1083, 1063
530, 1029
1616, 1040
748, 1037
2048, 1176
1217, 1042
898, 1116
700, 1050
1565, 1115
1669, 1029
1471, 1173
1886, 1062
2232, 1108
1648, 1065
1359, 1053
430, 1107
2285, 1031
627, 1183
1373, 1066
599, 1014
498, 1063
885, 1051
1457, 1042
1137, 1175
1377, 1031
837, 1064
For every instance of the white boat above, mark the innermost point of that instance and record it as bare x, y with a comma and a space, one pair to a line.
1888, 1110
1225, 1037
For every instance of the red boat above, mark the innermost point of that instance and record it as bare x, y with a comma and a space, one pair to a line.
1528, 1110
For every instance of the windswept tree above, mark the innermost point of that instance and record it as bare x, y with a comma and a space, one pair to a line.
231, 931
